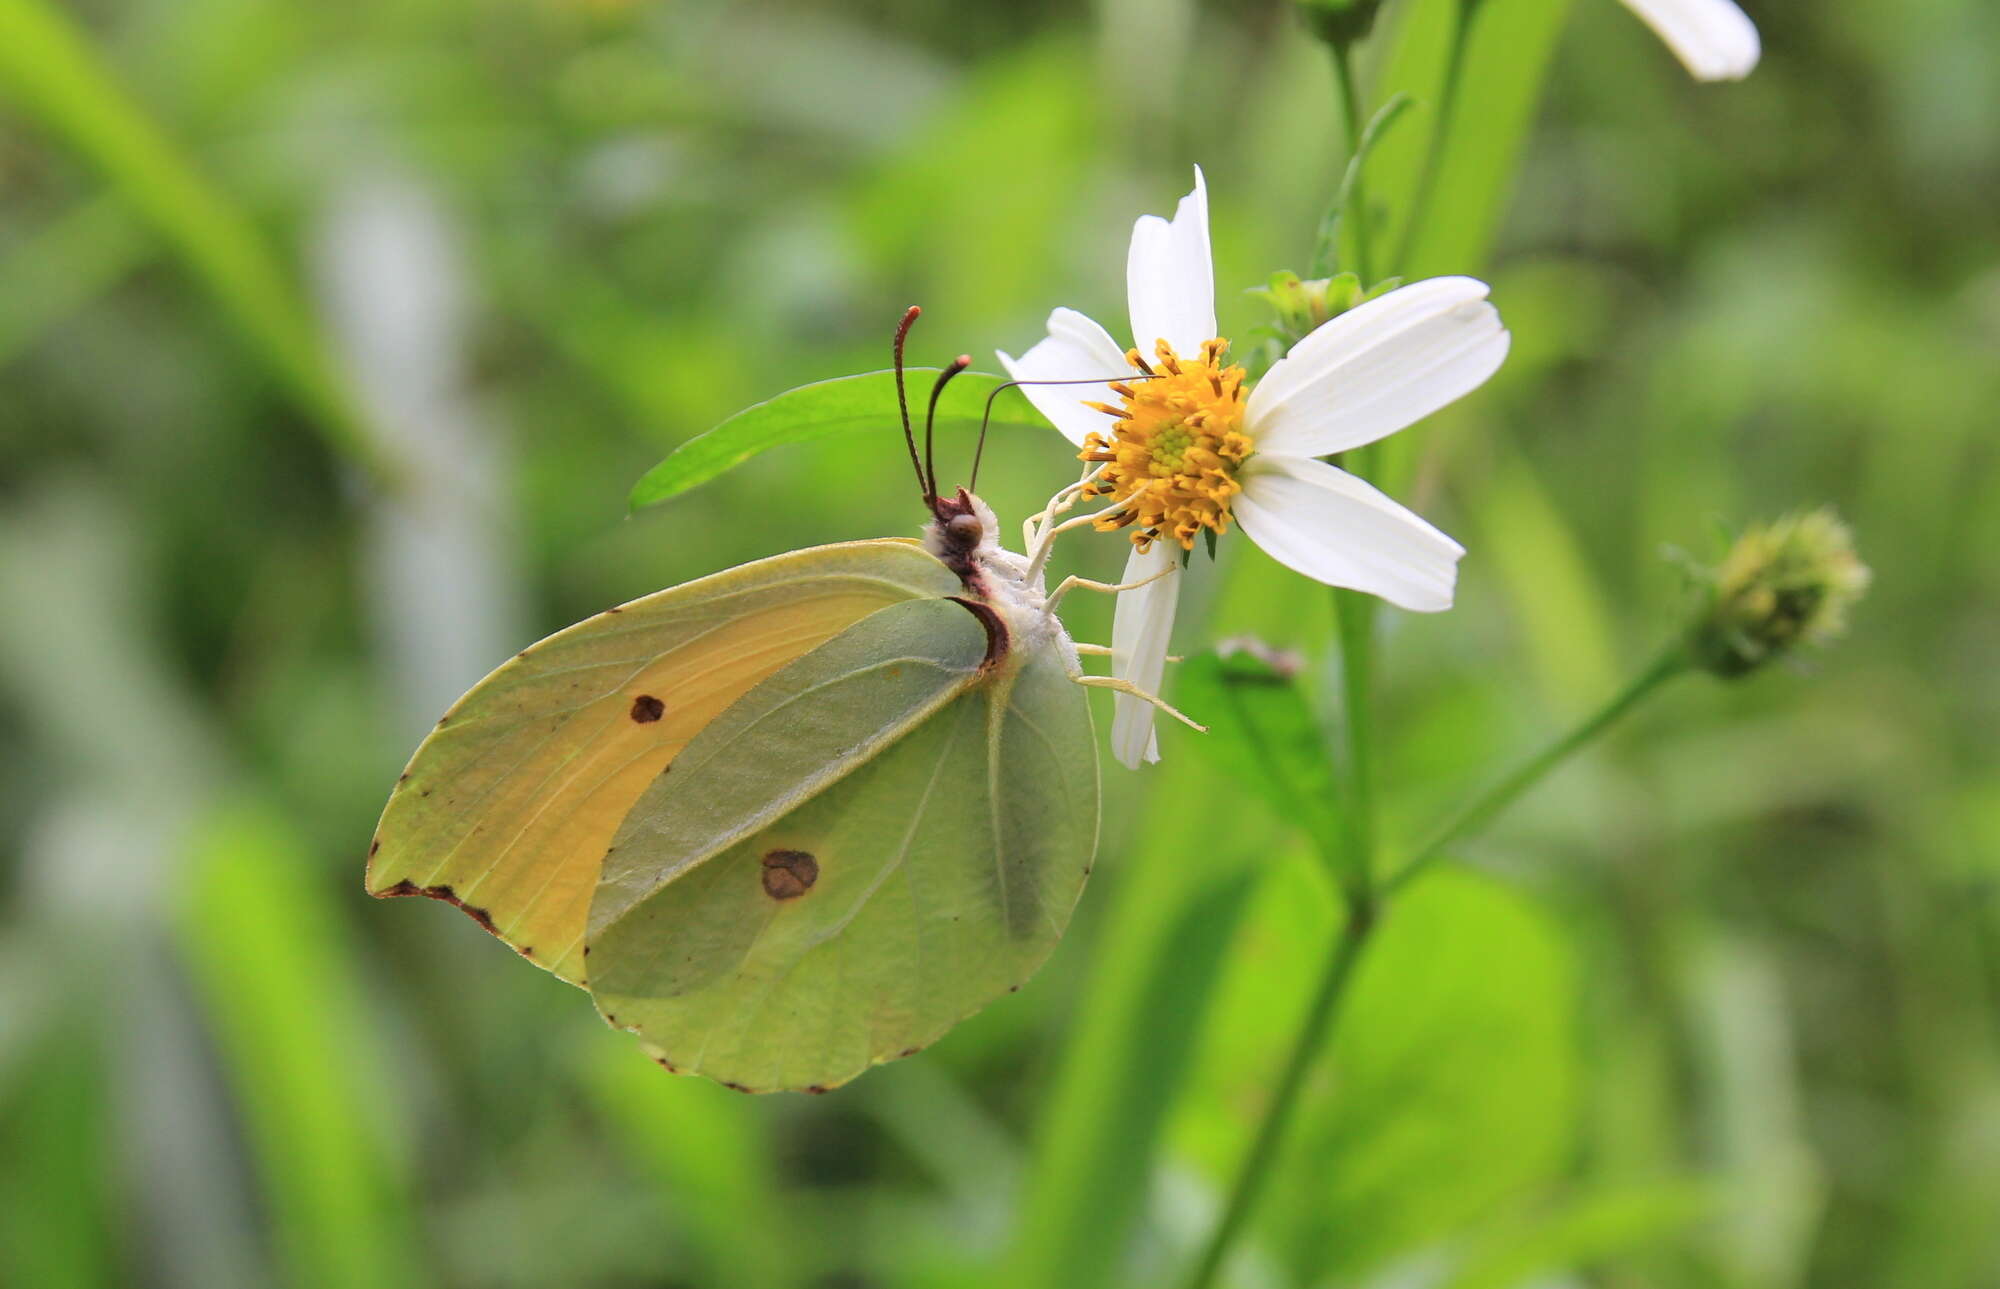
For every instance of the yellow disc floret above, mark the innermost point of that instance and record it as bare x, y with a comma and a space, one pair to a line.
1173, 454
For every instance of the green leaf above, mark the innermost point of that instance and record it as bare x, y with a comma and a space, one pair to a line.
1584, 1232
1448, 1095
49, 68
828, 407
1263, 734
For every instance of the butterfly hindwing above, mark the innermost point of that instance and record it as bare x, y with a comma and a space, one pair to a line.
871, 846
508, 806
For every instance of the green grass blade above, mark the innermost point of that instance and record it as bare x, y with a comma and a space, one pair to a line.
62, 267
1123, 1065
278, 979
48, 66
709, 1150
828, 407
56, 1225
1506, 64
1555, 593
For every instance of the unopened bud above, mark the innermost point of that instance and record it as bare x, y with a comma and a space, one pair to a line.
1782, 584
1340, 22
1301, 305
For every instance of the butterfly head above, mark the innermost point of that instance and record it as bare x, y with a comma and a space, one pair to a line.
961, 532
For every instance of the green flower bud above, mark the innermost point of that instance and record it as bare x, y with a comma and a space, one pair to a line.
1302, 305
1781, 585
1340, 22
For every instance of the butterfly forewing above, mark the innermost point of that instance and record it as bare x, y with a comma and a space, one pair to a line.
508, 807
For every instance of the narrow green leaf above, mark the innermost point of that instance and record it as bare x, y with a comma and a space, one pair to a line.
828, 407
49, 68
58, 1199
1262, 733
1553, 592
709, 1150
1506, 63
62, 267
1122, 1071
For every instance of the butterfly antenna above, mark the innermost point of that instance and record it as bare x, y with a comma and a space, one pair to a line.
958, 365
903, 398
987, 417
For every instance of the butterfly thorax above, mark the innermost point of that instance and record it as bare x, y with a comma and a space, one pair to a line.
964, 535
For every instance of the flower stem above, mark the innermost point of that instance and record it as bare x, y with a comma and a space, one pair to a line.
1312, 1036
1357, 192
1481, 809
1354, 619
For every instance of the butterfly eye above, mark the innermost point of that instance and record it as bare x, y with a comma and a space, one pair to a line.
965, 529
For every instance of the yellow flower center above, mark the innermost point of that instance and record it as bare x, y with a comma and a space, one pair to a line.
1173, 453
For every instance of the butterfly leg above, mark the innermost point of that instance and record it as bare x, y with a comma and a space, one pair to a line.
1069, 584
1104, 651
1120, 685
1059, 504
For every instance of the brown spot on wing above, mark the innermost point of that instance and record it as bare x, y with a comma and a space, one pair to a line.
646, 708
789, 874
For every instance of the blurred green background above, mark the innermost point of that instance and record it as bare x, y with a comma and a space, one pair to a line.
1716, 1006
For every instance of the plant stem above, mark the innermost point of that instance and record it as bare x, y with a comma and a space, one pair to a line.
1357, 192
1447, 107
1312, 1036
1481, 809
1354, 619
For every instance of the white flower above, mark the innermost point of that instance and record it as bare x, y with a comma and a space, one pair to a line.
1189, 448
1714, 39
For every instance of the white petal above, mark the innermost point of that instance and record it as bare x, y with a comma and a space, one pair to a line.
1169, 278
1140, 626
1077, 349
1714, 39
1377, 368
1337, 529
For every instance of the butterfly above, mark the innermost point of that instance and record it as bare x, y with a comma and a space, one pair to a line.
788, 821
